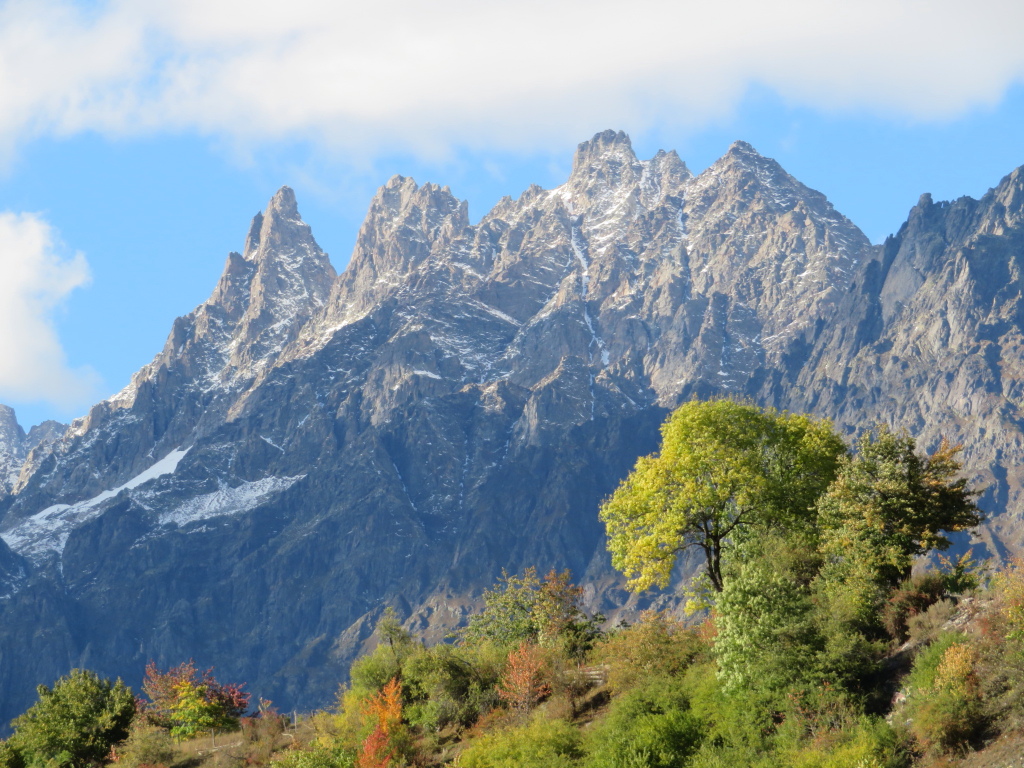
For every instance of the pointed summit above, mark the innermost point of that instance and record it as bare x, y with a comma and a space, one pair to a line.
11, 433
745, 174
602, 144
281, 208
404, 225
262, 299
283, 203
279, 226
743, 156
606, 156
740, 147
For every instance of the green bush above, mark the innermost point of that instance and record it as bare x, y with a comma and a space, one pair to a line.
146, 745
871, 743
656, 646
540, 744
926, 627
650, 726
445, 687
944, 704
317, 757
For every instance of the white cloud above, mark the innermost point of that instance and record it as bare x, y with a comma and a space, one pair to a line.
427, 76
35, 281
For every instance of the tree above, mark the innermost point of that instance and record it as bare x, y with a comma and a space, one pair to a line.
187, 701
75, 723
725, 469
521, 686
528, 608
192, 713
370, 673
889, 505
386, 740
766, 638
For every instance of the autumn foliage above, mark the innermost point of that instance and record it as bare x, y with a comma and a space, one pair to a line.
384, 711
522, 685
188, 701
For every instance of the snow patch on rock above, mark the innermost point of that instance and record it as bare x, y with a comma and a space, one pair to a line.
227, 500
47, 531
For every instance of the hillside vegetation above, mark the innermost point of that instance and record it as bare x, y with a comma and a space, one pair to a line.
811, 641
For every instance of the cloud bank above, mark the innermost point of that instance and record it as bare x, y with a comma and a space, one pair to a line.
427, 77
35, 281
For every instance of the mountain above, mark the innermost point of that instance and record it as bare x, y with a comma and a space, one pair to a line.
16, 445
309, 448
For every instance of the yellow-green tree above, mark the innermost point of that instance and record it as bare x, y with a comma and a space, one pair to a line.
724, 470
75, 722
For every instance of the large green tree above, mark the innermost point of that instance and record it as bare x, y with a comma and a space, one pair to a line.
725, 470
890, 505
75, 723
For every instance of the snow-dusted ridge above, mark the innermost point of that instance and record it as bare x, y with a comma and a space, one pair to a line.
47, 532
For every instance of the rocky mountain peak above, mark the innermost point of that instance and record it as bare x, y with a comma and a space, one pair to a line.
744, 149
11, 433
746, 171
15, 444
290, 277
403, 202
605, 161
1010, 195
669, 164
405, 224
602, 146
283, 203
252, 240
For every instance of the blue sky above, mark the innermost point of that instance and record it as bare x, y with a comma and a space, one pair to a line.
137, 138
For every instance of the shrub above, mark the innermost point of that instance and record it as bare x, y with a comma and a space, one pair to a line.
522, 684
926, 627
650, 726
540, 744
1001, 667
388, 739
146, 745
445, 687
870, 743
317, 757
656, 646
944, 703
911, 598
187, 701
529, 608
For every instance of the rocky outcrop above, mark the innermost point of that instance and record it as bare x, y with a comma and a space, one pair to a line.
308, 449
15, 445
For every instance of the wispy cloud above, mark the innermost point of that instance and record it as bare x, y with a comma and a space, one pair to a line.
408, 75
35, 281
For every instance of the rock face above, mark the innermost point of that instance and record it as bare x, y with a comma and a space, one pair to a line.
15, 445
308, 449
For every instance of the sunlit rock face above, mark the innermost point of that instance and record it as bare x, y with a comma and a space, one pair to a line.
309, 448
